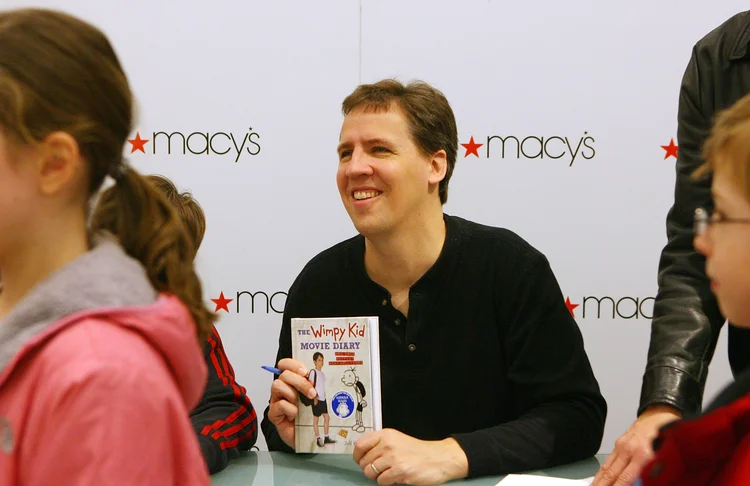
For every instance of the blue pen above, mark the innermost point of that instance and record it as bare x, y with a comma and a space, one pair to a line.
273, 370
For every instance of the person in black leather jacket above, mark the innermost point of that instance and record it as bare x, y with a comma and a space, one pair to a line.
687, 320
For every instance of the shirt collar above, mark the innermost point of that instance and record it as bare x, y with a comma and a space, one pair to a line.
433, 274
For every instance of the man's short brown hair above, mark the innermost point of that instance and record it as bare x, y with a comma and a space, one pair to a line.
190, 211
428, 114
727, 147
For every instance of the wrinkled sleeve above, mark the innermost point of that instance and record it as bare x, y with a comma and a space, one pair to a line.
560, 409
687, 321
224, 419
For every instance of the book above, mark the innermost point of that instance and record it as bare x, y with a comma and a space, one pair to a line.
342, 355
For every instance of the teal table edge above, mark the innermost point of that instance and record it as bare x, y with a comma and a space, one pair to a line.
282, 469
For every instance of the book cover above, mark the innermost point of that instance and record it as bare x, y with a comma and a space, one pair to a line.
343, 359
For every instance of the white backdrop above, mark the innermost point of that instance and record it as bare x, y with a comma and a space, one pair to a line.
272, 75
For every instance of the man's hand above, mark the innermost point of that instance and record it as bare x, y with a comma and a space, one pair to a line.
400, 459
634, 449
284, 398
315, 401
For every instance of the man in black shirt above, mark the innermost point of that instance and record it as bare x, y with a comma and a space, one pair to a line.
483, 368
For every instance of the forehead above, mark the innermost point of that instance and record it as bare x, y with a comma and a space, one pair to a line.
722, 183
361, 125
727, 189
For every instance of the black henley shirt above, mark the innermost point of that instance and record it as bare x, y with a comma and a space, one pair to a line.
489, 353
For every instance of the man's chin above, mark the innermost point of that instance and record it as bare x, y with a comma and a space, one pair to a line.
370, 227
365, 225
366, 230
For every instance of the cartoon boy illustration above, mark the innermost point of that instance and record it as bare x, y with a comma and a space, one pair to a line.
320, 405
350, 378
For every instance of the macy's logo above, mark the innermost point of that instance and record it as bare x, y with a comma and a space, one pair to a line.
532, 147
612, 307
197, 143
267, 302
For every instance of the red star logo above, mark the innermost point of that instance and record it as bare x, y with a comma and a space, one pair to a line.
671, 149
222, 303
570, 306
138, 143
471, 147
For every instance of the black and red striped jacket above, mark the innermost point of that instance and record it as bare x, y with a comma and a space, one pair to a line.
224, 419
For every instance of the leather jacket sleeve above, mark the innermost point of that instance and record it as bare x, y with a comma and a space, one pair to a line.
687, 321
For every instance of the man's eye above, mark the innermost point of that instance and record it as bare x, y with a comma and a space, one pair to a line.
380, 149
344, 154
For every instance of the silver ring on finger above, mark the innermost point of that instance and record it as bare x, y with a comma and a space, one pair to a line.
372, 466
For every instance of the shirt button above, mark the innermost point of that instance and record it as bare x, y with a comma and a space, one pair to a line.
385, 302
412, 347
397, 322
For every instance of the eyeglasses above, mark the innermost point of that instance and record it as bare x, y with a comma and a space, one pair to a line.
702, 220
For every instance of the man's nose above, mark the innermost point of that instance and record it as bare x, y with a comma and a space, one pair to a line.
359, 164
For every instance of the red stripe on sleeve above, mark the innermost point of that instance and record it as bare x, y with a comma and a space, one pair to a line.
216, 425
235, 428
229, 373
215, 361
225, 373
235, 442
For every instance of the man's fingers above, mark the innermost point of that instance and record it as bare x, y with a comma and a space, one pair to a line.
281, 411
282, 391
292, 365
283, 402
390, 477
290, 410
609, 473
371, 456
364, 445
300, 383
610, 459
632, 472
374, 473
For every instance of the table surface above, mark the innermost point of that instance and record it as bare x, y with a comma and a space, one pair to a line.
282, 469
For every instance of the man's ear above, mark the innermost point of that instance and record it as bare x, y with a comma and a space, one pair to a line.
58, 162
438, 167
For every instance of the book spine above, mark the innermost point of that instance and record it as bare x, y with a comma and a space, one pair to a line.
374, 337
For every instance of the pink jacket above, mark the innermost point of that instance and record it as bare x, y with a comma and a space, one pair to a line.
97, 378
